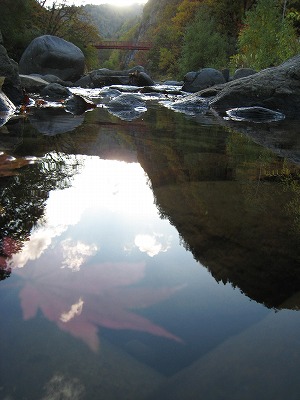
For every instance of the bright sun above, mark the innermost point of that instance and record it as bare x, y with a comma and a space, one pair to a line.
118, 3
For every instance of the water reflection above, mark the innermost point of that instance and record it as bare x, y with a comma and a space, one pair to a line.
63, 271
144, 262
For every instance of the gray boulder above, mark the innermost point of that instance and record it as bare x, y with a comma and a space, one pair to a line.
276, 88
206, 77
55, 91
140, 78
52, 55
9, 70
107, 77
84, 82
127, 106
243, 72
32, 83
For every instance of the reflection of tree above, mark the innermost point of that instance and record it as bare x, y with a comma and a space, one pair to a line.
23, 196
233, 211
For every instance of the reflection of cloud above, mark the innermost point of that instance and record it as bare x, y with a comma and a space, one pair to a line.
39, 241
75, 254
62, 387
111, 298
76, 309
150, 244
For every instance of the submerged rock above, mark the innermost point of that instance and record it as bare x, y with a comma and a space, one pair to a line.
126, 101
190, 105
127, 106
254, 114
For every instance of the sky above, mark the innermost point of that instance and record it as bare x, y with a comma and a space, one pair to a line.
119, 3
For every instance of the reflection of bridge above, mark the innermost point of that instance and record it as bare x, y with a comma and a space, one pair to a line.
110, 44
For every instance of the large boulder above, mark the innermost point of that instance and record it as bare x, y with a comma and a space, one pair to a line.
55, 56
9, 70
206, 77
276, 88
107, 77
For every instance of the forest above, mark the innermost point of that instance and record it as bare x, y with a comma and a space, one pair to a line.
186, 35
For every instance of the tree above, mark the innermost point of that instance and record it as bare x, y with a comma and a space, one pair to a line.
203, 46
73, 24
19, 24
267, 38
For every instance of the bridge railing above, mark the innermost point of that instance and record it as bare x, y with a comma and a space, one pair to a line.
121, 45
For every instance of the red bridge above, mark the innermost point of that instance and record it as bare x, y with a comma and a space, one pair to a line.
108, 44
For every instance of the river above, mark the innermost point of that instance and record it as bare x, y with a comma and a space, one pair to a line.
154, 257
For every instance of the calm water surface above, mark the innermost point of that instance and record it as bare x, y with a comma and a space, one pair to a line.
156, 258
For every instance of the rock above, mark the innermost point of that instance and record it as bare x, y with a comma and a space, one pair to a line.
190, 105
9, 70
107, 77
276, 88
52, 55
55, 91
84, 82
173, 83
140, 79
6, 105
226, 74
32, 83
109, 92
78, 105
126, 101
206, 77
243, 72
53, 79
7, 108
127, 106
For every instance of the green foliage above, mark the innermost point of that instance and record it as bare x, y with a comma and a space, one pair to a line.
203, 45
267, 38
20, 23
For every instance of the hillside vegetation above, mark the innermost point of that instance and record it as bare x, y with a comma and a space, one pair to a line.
191, 34
186, 34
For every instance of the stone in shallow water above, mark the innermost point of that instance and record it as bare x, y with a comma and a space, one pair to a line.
254, 114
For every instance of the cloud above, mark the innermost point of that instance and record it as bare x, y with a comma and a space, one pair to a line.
76, 253
151, 245
39, 241
76, 309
